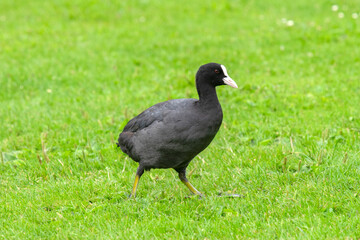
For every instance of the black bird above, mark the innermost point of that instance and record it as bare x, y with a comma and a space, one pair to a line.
170, 134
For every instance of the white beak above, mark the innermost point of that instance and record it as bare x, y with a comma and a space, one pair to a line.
227, 80
230, 82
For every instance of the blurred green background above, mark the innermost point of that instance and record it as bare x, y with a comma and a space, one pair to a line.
72, 73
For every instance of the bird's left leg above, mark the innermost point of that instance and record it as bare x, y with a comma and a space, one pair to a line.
139, 172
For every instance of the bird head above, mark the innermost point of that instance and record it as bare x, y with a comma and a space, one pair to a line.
214, 74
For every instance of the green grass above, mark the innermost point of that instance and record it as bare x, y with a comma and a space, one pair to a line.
72, 73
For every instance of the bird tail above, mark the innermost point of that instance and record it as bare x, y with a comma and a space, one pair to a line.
124, 142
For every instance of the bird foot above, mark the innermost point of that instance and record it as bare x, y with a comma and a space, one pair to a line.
131, 196
230, 195
199, 196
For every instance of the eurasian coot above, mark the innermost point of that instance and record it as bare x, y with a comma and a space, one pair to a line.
170, 134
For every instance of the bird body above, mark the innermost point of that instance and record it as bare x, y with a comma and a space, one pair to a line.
170, 134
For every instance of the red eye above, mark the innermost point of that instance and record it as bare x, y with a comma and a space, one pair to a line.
217, 71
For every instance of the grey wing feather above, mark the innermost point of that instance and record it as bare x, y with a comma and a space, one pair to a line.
144, 119
156, 113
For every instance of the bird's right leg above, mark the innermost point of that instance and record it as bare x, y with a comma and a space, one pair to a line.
139, 172
182, 176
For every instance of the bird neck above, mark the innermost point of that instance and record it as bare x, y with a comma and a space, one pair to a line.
207, 94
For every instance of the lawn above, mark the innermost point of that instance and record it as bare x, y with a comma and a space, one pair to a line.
72, 73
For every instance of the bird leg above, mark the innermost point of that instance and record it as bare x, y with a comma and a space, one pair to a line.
182, 176
139, 172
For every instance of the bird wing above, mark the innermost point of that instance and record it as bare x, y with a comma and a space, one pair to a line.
156, 113
160, 113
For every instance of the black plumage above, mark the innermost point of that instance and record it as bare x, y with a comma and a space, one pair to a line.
170, 134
